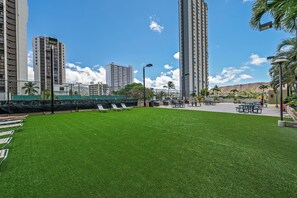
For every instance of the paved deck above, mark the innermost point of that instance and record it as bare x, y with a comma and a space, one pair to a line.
230, 108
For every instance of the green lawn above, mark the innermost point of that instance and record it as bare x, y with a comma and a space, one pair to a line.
151, 153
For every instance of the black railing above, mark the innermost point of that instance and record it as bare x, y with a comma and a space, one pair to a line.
34, 106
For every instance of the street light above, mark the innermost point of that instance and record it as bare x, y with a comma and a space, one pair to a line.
52, 42
280, 61
148, 65
78, 83
184, 86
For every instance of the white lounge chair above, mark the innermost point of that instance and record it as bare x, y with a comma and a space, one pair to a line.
5, 141
11, 125
101, 109
4, 133
3, 155
114, 107
6, 118
125, 107
10, 122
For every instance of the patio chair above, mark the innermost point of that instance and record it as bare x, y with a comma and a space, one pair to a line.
115, 108
5, 133
3, 155
101, 109
5, 141
6, 126
125, 107
10, 122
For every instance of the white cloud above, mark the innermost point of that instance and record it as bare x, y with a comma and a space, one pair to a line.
30, 58
154, 26
163, 79
136, 71
242, 77
168, 67
255, 59
176, 55
84, 75
137, 81
229, 74
245, 1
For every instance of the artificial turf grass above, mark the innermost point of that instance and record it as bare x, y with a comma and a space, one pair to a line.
151, 153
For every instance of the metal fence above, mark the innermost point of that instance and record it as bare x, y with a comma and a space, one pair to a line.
30, 96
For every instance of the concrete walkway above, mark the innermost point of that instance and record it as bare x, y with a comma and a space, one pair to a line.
230, 108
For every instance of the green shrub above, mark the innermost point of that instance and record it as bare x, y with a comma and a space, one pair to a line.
293, 104
288, 99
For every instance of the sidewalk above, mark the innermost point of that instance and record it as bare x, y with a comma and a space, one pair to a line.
271, 110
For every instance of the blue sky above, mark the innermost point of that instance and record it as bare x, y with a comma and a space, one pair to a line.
137, 32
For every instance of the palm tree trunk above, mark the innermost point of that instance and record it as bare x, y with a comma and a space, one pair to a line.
294, 86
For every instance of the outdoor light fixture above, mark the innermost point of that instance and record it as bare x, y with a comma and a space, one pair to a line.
265, 26
280, 61
148, 65
53, 42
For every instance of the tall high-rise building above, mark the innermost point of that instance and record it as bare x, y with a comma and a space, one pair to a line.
193, 29
42, 62
13, 46
117, 77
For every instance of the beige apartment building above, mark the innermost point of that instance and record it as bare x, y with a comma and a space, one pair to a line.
42, 62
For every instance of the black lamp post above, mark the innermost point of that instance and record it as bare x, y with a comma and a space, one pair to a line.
52, 42
184, 86
280, 61
148, 65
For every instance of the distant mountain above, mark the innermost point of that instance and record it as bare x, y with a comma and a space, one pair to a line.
244, 87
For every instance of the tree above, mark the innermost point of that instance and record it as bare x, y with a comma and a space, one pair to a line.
283, 12
234, 91
135, 91
262, 88
30, 88
170, 85
160, 95
289, 74
216, 89
46, 94
204, 92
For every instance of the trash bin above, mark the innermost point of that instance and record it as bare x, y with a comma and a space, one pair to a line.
151, 103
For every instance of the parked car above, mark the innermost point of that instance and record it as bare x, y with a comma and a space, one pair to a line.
154, 103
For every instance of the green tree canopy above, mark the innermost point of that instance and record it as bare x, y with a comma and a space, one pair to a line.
283, 12
135, 91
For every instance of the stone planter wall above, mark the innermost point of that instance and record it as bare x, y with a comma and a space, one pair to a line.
291, 113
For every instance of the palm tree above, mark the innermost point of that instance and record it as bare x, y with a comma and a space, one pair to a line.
161, 94
274, 86
283, 12
290, 67
263, 87
30, 88
170, 85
